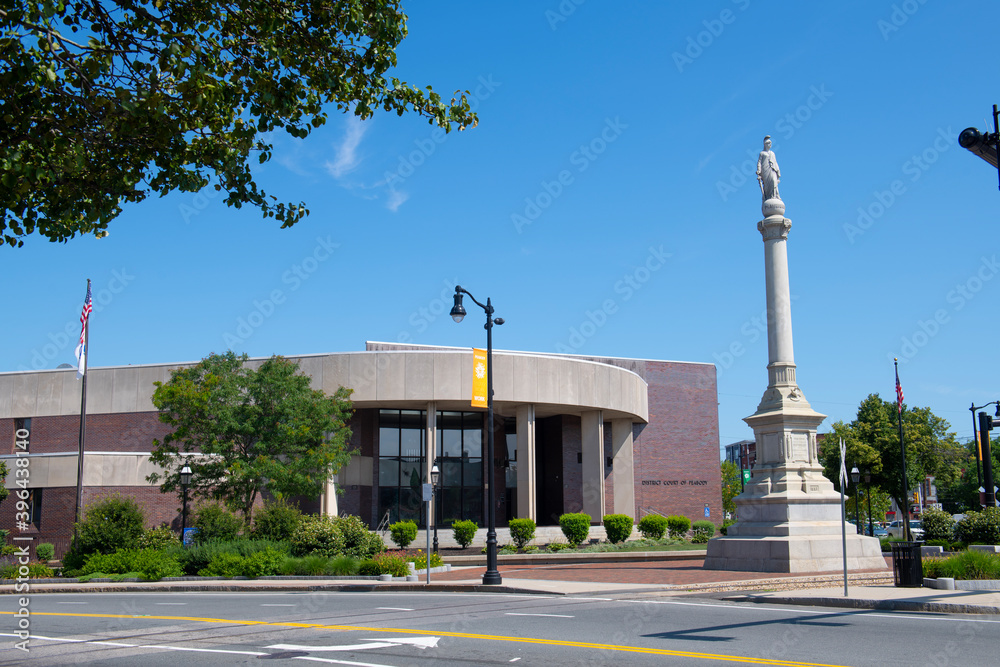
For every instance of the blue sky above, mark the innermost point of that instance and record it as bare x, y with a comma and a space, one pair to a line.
605, 203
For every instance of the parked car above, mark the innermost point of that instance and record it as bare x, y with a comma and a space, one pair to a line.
916, 529
877, 531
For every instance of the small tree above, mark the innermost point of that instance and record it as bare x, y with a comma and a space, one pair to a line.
403, 532
276, 521
576, 527
522, 531
732, 484
618, 527
244, 430
678, 525
464, 532
938, 524
653, 526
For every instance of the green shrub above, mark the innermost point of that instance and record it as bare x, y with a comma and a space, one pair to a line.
507, 549
45, 551
966, 565
522, 531
575, 526
702, 531
223, 565
938, 524
198, 556
215, 522
359, 542
35, 571
559, 546
9, 550
158, 538
464, 532
403, 533
530, 549
979, 527
152, 563
678, 525
277, 521
618, 527
342, 566
368, 568
653, 526
318, 535
262, 564
724, 528
109, 524
389, 564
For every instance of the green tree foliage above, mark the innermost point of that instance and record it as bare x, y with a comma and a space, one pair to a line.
938, 524
257, 429
4, 491
403, 532
731, 485
106, 102
872, 441
277, 521
215, 522
880, 503
575, 526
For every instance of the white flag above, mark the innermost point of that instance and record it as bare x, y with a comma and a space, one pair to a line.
843, 465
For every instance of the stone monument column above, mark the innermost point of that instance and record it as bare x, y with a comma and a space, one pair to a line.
789, 515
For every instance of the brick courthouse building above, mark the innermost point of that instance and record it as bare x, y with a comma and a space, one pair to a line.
572, 433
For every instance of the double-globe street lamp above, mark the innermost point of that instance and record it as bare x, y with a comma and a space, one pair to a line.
492, 575
855, 476
432, 484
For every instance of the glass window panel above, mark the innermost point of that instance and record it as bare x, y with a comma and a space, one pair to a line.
388, 441
410, 505
451, 472
388, 501
388, 418
473, 473
388, 472
510, 476
472, 443
451, 421
511, 447
452, 443
411, 473
451, 506
472, 505
412, 442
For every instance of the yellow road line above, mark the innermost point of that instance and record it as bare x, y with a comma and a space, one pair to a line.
462, 635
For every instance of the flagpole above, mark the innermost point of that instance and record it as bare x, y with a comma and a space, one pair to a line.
83, 417
902, 450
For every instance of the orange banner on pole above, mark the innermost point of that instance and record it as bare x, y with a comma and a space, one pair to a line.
479, 384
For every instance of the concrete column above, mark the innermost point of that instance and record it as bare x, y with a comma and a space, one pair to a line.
622, 476
329, 499
592, 440
527, 495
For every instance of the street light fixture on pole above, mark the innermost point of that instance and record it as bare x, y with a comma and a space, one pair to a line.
855, 476
980, 458
492, 575
436, 480
433, 478
185, 480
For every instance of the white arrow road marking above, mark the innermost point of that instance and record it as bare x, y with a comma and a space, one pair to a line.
419, 642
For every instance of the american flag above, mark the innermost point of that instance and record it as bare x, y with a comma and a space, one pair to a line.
899, 393
81, 352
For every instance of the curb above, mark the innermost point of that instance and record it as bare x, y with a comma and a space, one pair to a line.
884, 605
370, 587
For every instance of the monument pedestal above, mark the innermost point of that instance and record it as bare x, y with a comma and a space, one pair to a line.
789, 515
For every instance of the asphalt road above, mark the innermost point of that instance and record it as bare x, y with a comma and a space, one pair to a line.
404, 629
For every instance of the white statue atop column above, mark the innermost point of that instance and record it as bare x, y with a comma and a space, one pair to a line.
789, 515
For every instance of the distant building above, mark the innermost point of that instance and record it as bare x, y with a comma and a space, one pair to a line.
572, 433
742, 453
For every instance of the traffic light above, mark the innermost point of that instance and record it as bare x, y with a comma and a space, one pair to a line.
916, 497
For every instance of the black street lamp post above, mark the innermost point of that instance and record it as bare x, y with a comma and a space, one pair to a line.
982, 447
492, 575
435, 480
185, 481
855, 476
868, 488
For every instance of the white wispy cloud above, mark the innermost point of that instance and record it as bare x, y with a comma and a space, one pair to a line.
346, 158
395, 200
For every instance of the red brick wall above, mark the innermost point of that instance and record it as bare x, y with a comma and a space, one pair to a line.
122, 432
